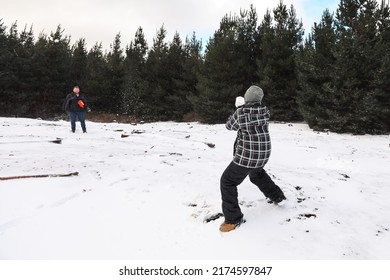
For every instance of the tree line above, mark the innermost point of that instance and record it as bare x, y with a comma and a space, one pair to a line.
336, 78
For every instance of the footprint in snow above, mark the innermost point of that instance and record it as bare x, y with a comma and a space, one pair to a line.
248, 204
212, 217
203, 212
382, 230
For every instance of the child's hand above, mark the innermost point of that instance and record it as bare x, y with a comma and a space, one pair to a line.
239, 101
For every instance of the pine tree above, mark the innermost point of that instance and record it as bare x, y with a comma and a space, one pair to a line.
281, 38
79, 63
115, 73
59, 55
157, 79
25, 54
18, 83
248, 46
41, 74
177, 103
24, 91
356, 64
58, 58
221, 82
192, 69
317, 72
134, 85
345, 70
9, 42
13, 63
97, 81
376, 102
3, 68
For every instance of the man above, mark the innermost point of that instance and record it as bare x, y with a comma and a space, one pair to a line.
253, 150
75, 105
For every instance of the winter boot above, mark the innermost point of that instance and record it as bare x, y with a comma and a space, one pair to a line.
279, 200
226, 227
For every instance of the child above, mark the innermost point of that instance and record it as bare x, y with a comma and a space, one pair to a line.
253, 150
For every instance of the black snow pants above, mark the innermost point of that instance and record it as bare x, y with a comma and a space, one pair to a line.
235, 175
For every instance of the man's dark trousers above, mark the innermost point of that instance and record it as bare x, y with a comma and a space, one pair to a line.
80, 116
235, 175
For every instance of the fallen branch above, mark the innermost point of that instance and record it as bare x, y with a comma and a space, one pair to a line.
138, 131
57, 141
39, 176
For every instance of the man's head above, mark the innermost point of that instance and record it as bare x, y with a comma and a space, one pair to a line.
76, 90
254, 94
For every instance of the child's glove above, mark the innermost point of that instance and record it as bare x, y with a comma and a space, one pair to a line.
239, 101
89, 110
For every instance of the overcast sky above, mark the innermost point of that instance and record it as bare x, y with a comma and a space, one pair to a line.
101, 20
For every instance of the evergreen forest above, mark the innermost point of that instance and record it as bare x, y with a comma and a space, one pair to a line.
336, 77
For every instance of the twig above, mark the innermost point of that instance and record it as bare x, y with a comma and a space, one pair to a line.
39, 176
57, 141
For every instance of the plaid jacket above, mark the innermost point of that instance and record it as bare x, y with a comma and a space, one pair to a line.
254, 144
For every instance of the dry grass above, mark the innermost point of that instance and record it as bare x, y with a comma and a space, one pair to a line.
192, 117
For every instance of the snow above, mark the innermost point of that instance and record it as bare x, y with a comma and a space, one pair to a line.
146, 196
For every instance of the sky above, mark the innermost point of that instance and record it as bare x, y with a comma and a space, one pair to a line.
100, 20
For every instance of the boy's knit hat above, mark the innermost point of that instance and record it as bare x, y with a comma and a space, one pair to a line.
254, 94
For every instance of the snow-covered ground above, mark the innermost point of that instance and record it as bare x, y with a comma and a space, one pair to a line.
146, 196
